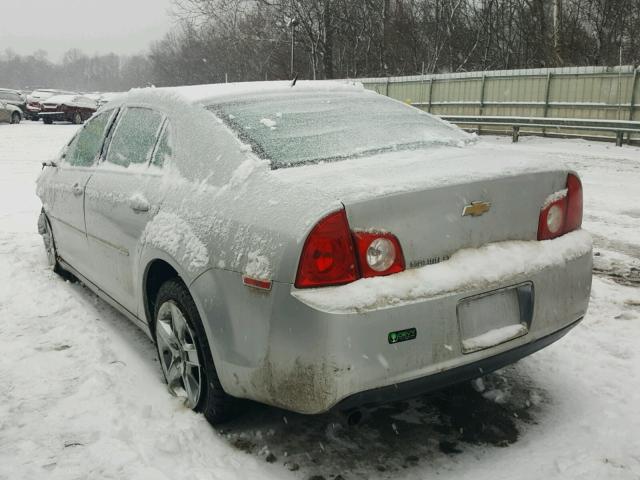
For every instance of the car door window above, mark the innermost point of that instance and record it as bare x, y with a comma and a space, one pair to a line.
134, 137
84, 149
164, 150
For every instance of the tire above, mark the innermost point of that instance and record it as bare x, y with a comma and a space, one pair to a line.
44, 228
77, 118
48, 121
185, 356
15, 118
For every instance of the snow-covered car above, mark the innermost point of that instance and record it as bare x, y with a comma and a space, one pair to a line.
15, 98
314, 246
9, 113
67, 108
35, 99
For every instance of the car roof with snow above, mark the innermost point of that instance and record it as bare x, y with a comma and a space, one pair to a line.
217, 92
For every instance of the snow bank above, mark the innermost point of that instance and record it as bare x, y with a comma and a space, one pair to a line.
465, 270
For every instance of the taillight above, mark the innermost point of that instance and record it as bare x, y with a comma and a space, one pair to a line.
562, 214
378, 254
329, 256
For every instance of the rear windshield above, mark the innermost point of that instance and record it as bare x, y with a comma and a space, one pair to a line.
303, 128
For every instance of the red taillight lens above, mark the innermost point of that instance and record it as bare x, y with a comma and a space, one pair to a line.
564, 214
328, 255
574, 203
378, 254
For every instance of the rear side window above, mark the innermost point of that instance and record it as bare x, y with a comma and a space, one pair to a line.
84, 149
134, 137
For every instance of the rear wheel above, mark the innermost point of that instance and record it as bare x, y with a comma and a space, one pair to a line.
48, 121
15, 117
185, 356
77, 118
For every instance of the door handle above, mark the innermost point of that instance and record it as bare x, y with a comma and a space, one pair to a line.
77, 189
139, 204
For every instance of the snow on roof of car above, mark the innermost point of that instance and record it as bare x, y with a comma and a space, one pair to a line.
74, 100
60, 99
203, 94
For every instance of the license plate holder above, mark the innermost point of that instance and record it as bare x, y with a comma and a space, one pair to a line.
495, 317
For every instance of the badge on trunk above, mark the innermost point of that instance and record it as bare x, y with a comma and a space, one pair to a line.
475, 209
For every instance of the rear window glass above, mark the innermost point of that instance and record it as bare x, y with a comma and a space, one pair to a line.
290, 130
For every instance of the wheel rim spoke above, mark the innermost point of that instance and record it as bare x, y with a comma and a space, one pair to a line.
192, 387
174, 374
167, 336
191, 356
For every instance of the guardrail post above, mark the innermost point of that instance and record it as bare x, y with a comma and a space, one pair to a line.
632, 102
619, 138
547, 88
386, 89
430, 93
516, 134
481, 113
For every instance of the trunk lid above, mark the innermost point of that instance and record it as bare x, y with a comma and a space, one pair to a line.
420, 196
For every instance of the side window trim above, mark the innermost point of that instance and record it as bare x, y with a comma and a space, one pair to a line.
163, 127
110, 131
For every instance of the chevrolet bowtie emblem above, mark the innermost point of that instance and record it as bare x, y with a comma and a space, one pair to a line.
476, 209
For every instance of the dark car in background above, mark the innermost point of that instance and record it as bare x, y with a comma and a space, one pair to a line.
15, 98
35, 99
67, 108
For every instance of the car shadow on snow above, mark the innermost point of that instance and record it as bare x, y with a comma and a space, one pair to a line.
393, 438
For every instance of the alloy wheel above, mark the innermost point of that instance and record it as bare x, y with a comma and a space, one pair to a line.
178, 353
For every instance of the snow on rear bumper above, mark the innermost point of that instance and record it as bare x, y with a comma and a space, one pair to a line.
468, 269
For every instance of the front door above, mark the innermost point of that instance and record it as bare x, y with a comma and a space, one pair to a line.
64, 202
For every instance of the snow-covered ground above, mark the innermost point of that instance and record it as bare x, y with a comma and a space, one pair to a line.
81, 393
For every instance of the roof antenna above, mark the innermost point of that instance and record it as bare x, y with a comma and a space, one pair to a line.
295, 79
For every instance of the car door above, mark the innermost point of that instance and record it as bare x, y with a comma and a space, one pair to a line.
122, 196
65, 192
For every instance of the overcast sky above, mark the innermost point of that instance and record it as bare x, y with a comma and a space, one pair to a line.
94, 26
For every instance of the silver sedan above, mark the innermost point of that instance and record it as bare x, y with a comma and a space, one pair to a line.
314, 246
9, 113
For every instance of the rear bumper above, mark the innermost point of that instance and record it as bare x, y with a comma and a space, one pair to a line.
55, 116
445, 378
296, 352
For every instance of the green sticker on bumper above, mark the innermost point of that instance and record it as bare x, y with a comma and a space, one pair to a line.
402, 335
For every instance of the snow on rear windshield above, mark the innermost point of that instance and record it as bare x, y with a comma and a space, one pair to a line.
296, 129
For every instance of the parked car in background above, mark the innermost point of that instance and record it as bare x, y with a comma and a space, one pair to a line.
9, 113
35, 99
315, 246
67, 108
15, 98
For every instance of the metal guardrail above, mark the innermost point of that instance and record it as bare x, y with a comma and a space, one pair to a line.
619, 127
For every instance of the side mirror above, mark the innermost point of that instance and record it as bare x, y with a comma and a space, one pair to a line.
50, 163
